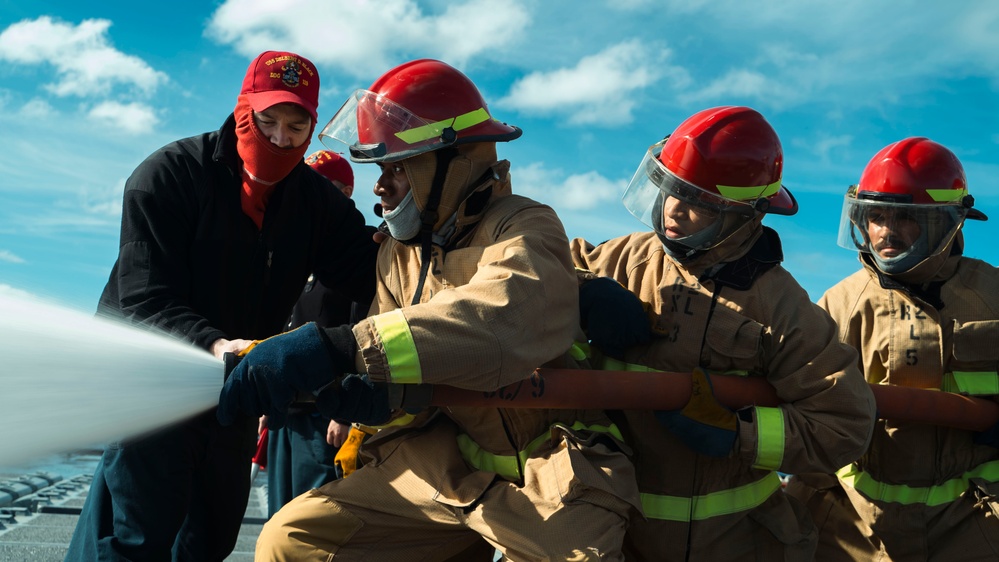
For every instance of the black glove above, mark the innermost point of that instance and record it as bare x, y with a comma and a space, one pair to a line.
988, 437
355, 400
267, 379
613, 317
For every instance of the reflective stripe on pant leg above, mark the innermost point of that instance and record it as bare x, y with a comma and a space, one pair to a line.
723, 502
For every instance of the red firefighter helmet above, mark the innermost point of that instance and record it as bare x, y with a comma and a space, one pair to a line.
416, 107
726, 159
914, 181
732, 153
919, 171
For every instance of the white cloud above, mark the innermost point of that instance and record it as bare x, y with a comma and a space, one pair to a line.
38, 108
576, 192
363, 35
600, 89
85, 62
131, 118
789, 54
825, 144
8, 256
735, 83
103, 201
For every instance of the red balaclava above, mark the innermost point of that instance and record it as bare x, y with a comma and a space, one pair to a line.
273, 77
264, 163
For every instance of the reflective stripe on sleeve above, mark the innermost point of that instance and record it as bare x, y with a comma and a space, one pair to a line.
971, 383
400, 349
769, 438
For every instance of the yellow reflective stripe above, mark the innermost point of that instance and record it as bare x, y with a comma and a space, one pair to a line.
433, 130
947, 195
769, 438
971, 383
930, 496
746, 193
580, 350
400, 349
508, 466
480, 459
724, 502
611, 364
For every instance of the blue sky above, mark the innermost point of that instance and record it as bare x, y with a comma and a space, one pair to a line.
88, 89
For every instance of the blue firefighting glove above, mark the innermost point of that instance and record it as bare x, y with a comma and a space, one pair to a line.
612, 316
355, 400
267, 379
704, 425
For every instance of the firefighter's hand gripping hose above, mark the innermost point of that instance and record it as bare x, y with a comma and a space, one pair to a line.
704, 425
267, 380
614, 318
305, 362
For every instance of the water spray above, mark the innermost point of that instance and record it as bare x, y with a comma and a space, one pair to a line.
71, 381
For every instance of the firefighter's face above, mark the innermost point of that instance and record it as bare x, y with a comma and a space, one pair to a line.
392, 185
681, 218
891, 231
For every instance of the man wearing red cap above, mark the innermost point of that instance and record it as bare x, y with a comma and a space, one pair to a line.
219, 233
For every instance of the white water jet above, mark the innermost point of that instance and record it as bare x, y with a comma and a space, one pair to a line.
70, 381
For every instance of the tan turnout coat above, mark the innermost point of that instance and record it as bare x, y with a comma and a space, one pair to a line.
919, 492
537, 484
704, 508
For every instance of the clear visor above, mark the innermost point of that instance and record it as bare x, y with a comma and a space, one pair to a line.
890, 230
653, 183
376, 129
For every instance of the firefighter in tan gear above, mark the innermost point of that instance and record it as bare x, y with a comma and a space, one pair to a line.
476, 288
922, 315
721, 305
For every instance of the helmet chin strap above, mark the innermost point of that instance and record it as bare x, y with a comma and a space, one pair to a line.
429, 215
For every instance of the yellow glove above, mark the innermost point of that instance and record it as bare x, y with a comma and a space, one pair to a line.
703, 424
347, 458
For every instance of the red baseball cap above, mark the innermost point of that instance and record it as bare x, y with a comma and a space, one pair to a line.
331, 165
278, 77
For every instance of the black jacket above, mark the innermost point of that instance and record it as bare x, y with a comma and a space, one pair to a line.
192, 264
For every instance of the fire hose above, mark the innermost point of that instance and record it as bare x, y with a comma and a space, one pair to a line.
653, 390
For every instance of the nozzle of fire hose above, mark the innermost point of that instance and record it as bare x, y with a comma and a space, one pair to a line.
229, 362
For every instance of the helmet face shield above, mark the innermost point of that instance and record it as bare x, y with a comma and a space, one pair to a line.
898, 235
654, 186
376, 129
